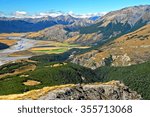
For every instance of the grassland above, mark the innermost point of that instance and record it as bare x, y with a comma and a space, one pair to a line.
56, 48
50, 50
10, 35
47, 76
8, 42
137, 77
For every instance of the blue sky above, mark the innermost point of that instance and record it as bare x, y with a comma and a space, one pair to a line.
76, 6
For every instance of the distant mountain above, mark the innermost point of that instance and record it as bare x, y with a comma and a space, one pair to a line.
54, 33
109, 26
84, 31
8, 25
94, 18
129, 49
117, 23
60, 32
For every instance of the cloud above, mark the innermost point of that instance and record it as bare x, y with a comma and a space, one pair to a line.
52, 13
88, 15
20, 14
1, 14
58, 13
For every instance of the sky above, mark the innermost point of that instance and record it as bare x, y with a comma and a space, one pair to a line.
24, 7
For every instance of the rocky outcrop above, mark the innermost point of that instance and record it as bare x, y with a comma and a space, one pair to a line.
113, 90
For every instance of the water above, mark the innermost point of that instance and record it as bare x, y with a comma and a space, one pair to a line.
21, 45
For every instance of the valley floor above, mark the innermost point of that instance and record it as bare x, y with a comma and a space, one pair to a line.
23, 48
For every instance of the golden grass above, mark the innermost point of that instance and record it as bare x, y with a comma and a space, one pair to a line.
31, 83
72, 39
58, 65
34, 94
130, 44
45, 48
20, 70
7, 41
10, 34
34, 35
21, 53
84, 37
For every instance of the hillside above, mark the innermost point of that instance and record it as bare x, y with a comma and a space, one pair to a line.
60, 32
117, 23
53, 70
45, 74
54, 33
113, 90
137, 77
132, 48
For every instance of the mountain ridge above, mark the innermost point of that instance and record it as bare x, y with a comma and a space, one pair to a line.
132, 48
8, 25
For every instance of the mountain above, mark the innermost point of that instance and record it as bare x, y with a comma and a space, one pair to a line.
131, 48
91, 31
54, 33
94, 18
117, 23
60, 32
8, 25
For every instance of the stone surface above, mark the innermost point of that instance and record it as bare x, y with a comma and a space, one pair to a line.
113, 90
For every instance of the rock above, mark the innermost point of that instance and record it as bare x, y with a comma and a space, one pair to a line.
113, 90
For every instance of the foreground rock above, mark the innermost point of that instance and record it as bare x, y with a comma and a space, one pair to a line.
114, 90
109, 91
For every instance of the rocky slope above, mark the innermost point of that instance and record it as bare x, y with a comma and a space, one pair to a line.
113, 90
117, 23
54, 33
130, 15
60, 32
132, 48
110, 91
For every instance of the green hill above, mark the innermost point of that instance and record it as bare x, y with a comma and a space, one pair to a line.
137, 77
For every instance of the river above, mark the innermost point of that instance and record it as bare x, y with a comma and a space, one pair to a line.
21, 45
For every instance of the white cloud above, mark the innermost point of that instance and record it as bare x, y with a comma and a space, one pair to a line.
1, 14
88, 15
52, 14
20, 14
58, 13
24, 14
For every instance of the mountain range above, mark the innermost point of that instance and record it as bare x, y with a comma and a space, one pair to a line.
109, 26
68, 50
12, 24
